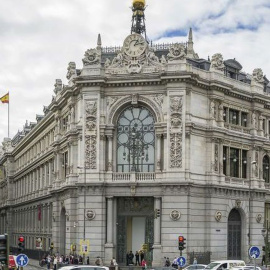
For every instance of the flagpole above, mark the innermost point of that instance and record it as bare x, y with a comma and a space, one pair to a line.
8, 119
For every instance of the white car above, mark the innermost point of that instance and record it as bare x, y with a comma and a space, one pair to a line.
84, 267
247, 267
195, 267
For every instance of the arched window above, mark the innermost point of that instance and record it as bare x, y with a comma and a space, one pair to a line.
136, 140
266, 168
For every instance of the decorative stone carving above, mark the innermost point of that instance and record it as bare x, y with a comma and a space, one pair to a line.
58, 86
132, 190
111, 101
134, 99
257, 75
90, 214
254, 120
176, 120
218, 216
217, 62
107, 63
7, 146
175, 150
259, 218
177, 52
92, 57
212, 109
159, 99
176, 135
163, 60
256, 164
123, 63
238, 204
220, 112
176, 104
175, 215
71, 70
90, 135
216, 158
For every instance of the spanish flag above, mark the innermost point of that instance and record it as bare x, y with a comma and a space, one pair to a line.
5, 98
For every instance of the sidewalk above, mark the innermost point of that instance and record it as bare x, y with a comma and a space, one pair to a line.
35, 263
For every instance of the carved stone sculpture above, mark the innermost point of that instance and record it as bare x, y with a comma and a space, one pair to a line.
257, 75
91, 57
71, 70
217, 62
176, 52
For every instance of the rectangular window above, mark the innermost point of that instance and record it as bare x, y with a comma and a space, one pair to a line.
234, 117
234, 162
244, 163
244, 119
225, 111
225, 155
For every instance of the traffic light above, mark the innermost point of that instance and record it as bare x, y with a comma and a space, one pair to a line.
51, 246
263, 248
4, 249
21, 243
181, 242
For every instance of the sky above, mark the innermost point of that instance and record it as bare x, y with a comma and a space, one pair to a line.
39, 38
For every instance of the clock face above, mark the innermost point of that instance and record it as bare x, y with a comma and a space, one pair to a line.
134, 45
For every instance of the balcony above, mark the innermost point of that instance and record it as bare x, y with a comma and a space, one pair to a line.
133, 177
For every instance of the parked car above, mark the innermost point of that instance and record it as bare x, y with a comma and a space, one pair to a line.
247, 267
195, 266
12, 264
226, 264
84, 267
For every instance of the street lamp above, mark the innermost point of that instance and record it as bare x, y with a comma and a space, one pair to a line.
84, 199
249, 200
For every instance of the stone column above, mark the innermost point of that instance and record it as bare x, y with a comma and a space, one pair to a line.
158, 152
109, 243
165, 151
157, 232
110, 151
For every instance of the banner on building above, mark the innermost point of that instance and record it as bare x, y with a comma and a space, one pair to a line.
84, 247
39, 242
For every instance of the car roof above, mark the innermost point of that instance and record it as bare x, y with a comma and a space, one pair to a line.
84, 266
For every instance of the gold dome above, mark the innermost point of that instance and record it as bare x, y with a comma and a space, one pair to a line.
138, 3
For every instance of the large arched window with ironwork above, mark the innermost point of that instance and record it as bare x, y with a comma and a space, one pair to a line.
266, 166
136, 140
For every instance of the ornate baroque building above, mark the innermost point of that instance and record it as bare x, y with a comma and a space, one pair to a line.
140, 129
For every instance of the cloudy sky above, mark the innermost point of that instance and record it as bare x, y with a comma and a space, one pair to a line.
39, 38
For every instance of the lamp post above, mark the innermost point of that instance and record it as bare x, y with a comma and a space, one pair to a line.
84, 204
249, 200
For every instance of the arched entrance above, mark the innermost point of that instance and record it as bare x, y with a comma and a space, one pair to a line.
234, 235
62, 246
135, 227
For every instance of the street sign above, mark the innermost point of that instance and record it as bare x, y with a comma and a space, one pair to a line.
254, 252
22, 260
181, 261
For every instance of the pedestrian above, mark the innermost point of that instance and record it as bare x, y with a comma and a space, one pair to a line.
137, 258
130, 257
167, 262
48, 260
143, 264
195, 261
175, 263
55, 263
88, 260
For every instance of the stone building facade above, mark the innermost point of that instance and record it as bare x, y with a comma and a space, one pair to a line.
137, 131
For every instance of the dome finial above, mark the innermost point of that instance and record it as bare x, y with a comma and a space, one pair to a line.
138, 20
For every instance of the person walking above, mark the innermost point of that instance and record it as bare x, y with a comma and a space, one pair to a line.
143, 264
137, 258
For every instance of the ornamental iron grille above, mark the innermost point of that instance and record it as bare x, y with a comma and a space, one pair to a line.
234, 235
136, 140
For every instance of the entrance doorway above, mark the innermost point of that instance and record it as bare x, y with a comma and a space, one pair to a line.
135, 227
234, 235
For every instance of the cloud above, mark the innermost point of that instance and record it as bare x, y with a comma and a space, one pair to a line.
39, 39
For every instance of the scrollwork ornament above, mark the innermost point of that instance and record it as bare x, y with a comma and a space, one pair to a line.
91, 57
259, 218
218, 216
177, 52
175, 215
238, 204
90, 214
